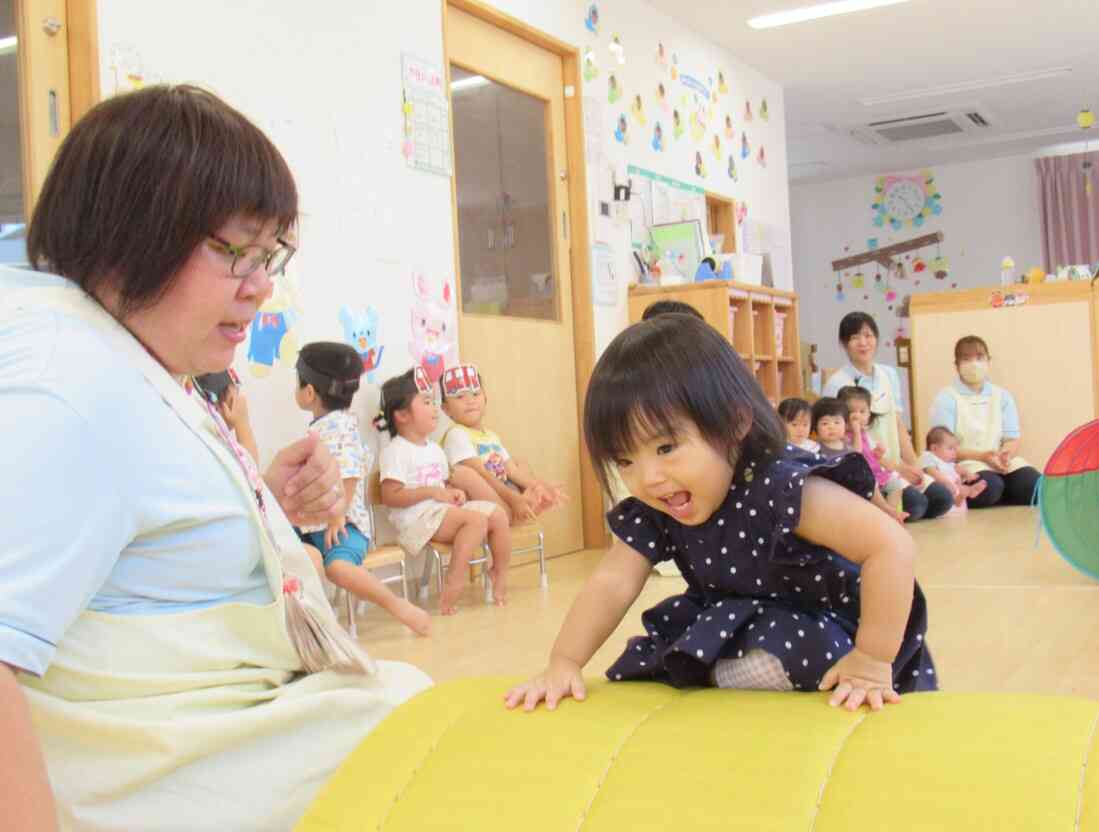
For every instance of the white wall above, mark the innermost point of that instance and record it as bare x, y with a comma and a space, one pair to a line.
325, 82
990, 209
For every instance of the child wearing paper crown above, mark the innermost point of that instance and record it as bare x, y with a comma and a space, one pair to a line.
469, 443
328, 376
794, 580
423, 495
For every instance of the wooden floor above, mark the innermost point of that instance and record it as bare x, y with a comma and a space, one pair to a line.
1004, 615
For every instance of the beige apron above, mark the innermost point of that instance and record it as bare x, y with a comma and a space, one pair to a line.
200, 720
979, 427
886, 432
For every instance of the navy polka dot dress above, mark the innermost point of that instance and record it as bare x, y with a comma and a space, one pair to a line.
752, 583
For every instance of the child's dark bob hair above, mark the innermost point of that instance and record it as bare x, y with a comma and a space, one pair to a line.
850, 393
397, 394
790, 409
333, 369
671, 368
823, 408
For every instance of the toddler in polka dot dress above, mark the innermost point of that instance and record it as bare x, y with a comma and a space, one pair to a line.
773, 542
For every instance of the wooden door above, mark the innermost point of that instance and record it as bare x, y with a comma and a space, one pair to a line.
512, 225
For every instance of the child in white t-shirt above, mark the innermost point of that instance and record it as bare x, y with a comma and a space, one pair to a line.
470, 444
940, 462
328, 377
418, 489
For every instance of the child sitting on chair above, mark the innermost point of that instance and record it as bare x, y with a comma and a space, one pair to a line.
797, 415
424, 502
328, 376
830, 424
940, 462
469, 443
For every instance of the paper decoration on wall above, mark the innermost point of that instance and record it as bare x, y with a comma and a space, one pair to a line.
732, 168
661, 54
426, 117
675, 66
761, 157
677, 125
638, 110
621, 132
614, 89
591, 22
745, 149
360, 330
591, 65
906, 200
763, 114
747, 110
871, 243
1002, 299
617, 49
897, 272
432, 346
741, 211
730, 131
271, 337
658, 138
661, 97
698, 125
940, 267
722, 87
700, 165
717, 147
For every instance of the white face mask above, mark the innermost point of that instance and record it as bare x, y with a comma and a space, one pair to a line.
973, 372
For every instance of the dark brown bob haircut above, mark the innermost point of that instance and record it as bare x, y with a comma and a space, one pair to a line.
142, 180
968, 343
670, 368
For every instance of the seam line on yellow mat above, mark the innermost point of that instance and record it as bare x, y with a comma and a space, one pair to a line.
831, 768
416, 770
614, 758
1084, 773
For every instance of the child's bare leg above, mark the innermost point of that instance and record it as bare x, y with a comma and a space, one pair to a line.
467, 479
499, 540
464, 530
315, 556
362, 584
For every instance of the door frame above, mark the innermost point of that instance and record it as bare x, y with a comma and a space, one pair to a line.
39, 55
583, 320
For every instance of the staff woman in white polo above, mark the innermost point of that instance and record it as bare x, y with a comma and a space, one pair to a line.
858, 336
150, 677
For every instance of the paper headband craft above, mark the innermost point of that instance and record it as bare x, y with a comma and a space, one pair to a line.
461, 379
423, 383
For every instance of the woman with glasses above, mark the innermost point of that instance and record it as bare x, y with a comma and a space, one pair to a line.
922, 497
153, 671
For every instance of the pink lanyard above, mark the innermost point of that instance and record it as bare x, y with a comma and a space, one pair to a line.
244, 459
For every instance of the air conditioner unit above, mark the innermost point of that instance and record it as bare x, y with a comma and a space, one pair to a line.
921, 127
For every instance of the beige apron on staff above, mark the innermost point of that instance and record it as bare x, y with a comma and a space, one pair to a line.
979, 427
199, 720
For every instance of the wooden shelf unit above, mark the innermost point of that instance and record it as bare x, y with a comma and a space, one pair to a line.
749, 317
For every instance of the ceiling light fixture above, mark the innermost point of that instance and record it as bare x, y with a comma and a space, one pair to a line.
7, 45
968, 86
769, 21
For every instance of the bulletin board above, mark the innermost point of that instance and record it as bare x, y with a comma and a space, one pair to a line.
659, 200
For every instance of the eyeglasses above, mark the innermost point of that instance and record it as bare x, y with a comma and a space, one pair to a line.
248, 258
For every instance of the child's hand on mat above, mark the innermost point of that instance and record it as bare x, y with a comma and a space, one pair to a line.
336, 530
454, 496
859, 678
562, 678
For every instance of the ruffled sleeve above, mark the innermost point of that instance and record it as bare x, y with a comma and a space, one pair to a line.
641, 528
787, 482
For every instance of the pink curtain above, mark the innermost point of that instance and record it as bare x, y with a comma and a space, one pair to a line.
1070, 215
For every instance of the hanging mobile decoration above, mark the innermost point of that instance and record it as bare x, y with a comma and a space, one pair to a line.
839, 288
940, 266
1085, 120
858, 281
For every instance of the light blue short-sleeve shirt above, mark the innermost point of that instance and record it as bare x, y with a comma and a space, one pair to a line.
113, 503
849, 376
944, 410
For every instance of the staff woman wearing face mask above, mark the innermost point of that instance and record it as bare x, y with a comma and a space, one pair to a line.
986, 421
